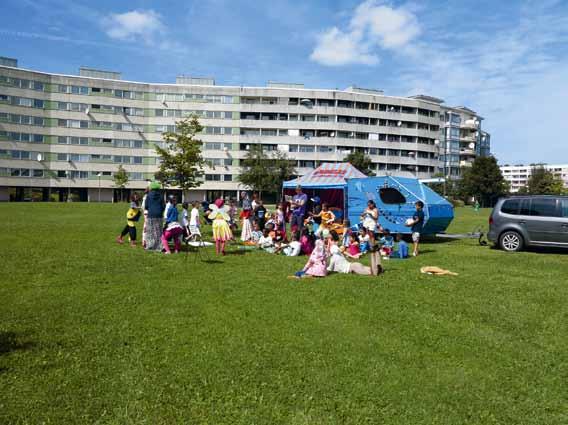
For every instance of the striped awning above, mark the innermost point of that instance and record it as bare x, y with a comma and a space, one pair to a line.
327, 176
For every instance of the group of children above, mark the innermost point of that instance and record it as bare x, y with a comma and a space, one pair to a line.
357, 243
268, 231
171, 231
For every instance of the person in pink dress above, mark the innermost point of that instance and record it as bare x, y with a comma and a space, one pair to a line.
353, 250
172, 232
316, 265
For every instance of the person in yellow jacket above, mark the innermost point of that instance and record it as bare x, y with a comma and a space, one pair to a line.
132, 216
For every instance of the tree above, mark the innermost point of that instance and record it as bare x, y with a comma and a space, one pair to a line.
181, 161
544, 182
283, 169
120, 179
360, 161
262, 172
484, 181
439, 187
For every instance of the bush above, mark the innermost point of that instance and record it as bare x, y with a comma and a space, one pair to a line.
457, 203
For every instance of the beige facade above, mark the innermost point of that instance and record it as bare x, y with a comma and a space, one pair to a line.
518, 175
68, 134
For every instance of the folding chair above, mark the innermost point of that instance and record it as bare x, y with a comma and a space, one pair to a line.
195, 240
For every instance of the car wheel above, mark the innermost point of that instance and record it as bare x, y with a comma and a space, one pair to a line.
511, 241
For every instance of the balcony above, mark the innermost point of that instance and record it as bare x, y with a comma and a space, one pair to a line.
471, 124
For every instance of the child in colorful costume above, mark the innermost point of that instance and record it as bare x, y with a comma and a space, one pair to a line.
132, 217
221, 230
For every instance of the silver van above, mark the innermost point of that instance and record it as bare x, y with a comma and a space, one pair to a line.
521, 221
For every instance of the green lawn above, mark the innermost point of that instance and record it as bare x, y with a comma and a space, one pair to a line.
96, 333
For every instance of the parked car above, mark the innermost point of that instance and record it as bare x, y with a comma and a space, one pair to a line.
522, 221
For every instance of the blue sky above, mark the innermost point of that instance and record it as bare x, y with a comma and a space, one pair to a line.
508, 60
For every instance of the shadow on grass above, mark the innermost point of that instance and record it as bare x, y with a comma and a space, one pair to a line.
9, 343
236, 252
211, 261
536, 250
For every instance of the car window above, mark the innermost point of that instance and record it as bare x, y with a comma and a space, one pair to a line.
525, 207
544, 207
564, 207
510, 206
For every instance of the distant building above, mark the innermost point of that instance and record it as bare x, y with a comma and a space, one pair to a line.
64, 136
462, 140
4, 61
518, 175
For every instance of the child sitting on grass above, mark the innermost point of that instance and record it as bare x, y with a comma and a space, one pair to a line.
316, 265
401, 248
352, 249
132, 216
346, 232
387, 244
364, 240
266, 243
292, 249
307, 241
338, 263
255, 235
327, 219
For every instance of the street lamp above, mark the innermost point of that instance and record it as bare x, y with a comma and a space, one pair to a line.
437, 143
68, 175
99, 174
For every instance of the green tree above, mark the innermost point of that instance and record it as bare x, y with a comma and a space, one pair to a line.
439, 187
544, 182
120, 179
360, 161
283, 169
484, 181
262, 172
181, 161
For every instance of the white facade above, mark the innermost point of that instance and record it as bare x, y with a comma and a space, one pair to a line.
518, 175
67, 135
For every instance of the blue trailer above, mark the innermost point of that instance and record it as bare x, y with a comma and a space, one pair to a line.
395, 198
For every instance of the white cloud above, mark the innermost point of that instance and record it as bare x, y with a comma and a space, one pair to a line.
514, 74
136, 24
371, 27
338, 48
387, 27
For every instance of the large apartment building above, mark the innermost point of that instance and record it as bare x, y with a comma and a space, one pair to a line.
64, 136
518, 175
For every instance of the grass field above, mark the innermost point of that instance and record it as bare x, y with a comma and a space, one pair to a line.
96, 333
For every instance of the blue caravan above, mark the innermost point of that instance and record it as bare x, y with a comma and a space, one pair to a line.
395, 198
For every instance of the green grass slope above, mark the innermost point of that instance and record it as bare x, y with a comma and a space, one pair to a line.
97, 333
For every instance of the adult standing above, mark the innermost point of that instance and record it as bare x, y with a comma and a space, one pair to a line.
299, 202
143, 209
246, 228
371, 217
155, 207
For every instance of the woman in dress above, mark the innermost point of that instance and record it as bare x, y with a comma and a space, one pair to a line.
221, 230
154, 206
370, 217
